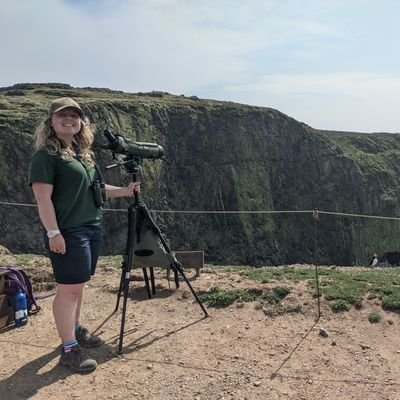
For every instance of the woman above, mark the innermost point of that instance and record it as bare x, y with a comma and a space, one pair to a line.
66, 185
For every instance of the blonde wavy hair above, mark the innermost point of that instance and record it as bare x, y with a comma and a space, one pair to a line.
45, 136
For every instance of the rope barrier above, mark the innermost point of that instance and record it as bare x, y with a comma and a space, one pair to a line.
315, 212
359, 215
6, 203
234, 212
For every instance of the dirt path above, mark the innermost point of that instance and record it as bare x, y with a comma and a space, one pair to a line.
238, 352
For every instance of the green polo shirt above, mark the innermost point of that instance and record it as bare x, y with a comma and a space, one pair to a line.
72, 195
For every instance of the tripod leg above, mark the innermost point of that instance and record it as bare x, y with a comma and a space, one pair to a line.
176, 266
126, 273
176, 278
153, 284
121, 333
146, 281
121, 283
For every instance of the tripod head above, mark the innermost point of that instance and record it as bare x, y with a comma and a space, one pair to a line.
131, 164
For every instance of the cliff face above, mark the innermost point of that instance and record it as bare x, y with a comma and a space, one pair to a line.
219, 156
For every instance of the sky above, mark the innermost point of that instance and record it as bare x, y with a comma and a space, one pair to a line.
332, 64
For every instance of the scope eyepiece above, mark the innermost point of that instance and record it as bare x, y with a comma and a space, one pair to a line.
109, 135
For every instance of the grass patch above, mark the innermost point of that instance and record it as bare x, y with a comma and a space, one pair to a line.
391, 300
342, 289
276, 295
223, 298
340, 305
374, 317
350, 291
284, 273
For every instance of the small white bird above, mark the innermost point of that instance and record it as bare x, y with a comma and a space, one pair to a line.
374, 260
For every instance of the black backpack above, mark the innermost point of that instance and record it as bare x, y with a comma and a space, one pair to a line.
17, 279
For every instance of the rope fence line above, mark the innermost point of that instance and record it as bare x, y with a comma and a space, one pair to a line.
232, 212
315, 212
359, 215
6, 203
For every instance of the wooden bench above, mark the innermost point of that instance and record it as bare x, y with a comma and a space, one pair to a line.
191, 259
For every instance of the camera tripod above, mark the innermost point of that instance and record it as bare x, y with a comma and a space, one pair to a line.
143, 248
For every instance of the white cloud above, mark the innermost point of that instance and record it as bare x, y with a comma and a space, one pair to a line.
348, 84
355, 102
165, 44
310, 59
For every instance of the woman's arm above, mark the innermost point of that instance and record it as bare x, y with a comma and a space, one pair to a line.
128, 191
47, 214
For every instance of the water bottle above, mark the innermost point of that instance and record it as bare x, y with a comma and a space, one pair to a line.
20, 308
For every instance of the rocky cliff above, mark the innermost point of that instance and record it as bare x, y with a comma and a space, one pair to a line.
219, 156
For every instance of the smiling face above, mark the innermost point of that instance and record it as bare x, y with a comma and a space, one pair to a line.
66, 123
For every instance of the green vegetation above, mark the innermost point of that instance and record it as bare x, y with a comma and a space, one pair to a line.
281, 273
340, 305
342, 288
222, 298
391, 301
374, 317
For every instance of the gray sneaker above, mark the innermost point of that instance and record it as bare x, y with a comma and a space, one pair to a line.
85, 339
77, 360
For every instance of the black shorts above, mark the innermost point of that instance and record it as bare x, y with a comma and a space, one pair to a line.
79, 262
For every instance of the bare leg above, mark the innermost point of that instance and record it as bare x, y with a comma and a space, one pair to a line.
65, 306
78, 309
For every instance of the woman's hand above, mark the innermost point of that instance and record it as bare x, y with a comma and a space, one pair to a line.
57, 244
132, 188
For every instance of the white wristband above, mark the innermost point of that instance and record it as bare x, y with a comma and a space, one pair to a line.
52, 233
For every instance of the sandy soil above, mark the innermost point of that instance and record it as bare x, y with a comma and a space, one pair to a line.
170, 351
